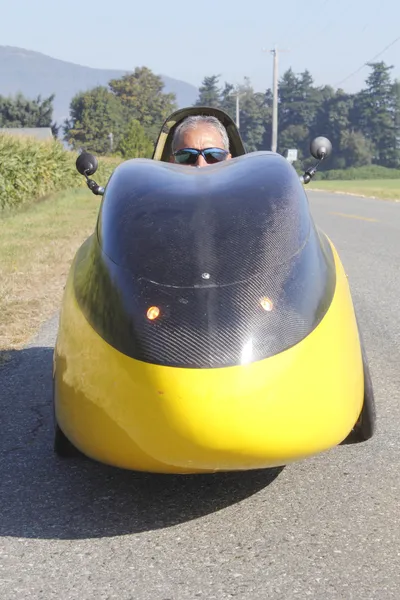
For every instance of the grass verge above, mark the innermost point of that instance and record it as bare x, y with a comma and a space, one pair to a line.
37, 246
386, 189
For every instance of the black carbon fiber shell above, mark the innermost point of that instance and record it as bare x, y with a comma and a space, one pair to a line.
205, 245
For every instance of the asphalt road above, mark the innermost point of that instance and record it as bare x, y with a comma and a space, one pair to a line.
326, 528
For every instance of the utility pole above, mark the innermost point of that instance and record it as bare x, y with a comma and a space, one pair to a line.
274, 140
111, 140
237, 93
274, 144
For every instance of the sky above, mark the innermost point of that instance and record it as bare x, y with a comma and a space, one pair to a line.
233, 39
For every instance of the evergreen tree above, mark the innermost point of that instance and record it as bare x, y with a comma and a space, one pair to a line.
19, 111
375, 115
396, 111
364, 128
333, 121
228, 100
209, 92
254, 116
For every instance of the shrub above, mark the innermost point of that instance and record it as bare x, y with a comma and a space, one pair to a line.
359, 173
31, 169
135, 143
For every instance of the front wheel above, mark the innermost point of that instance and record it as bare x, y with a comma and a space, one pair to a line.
364, 429
62, 446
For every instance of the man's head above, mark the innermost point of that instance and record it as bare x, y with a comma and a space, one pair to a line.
200, 133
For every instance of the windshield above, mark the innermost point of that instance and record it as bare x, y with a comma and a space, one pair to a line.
229, 259
184, 227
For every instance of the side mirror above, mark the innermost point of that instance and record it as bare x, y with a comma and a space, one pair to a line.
86, 164
320, 148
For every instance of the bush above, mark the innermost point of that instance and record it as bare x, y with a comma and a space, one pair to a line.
358, 173
135, 143
31, 169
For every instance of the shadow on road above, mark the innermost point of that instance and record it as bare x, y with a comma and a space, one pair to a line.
42, 496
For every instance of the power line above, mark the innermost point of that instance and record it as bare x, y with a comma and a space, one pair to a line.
306, 39
368, 61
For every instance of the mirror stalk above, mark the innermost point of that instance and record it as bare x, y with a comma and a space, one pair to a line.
94, 187
309, 174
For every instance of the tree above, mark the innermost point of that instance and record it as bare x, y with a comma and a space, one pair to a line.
298, 105
355, 149
44, 111
333, 116
364, 128
396, 95
141, 95
135, 143
298, 99
333, 121
55, 129
254, 116
294, 136
227, 100
209, 92
267, 137
22, 112
93, 116
375, 115
254, 111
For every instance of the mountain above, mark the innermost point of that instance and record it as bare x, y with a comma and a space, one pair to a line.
34, 74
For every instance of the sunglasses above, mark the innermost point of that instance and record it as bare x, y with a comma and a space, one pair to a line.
189, 156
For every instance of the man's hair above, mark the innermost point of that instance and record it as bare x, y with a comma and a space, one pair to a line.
195, 121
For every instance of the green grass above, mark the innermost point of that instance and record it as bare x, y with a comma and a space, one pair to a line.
37, 246
386, 189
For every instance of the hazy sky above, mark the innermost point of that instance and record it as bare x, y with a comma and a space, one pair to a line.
187, 40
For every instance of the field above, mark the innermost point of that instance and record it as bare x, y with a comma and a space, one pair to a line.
386, 189
37, 246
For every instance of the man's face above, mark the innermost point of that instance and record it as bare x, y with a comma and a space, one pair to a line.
200, 138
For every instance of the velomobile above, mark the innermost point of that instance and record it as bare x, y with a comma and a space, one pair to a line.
207, 323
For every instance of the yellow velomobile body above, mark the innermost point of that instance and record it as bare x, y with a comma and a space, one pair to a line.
207, 325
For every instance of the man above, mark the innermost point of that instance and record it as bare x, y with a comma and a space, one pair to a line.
200, 141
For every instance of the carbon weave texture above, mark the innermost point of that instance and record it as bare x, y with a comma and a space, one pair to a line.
171, 223
206, 327
259, 241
